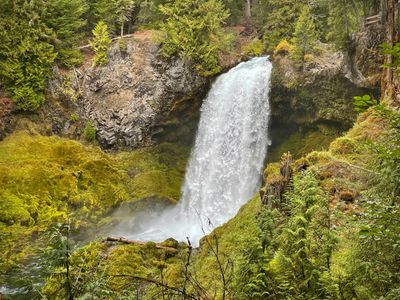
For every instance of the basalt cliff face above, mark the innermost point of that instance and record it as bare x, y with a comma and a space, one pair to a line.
133, 96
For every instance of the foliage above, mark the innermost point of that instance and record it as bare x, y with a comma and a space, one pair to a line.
192, 30
343, 20
362, 103
376, 271
124, 12
304, 36
254, 48
394, 51
66, 18
100, 43
277, 19
57, 260
282, 48
90, 132
26, 56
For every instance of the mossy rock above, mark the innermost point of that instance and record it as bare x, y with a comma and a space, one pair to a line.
343, 146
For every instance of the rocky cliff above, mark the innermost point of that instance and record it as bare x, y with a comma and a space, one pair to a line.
317, 92
131, 97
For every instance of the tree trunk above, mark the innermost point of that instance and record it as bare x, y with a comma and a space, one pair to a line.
247, 12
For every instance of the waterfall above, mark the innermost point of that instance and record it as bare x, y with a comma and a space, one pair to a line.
224, 170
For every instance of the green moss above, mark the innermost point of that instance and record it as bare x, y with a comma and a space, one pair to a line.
342, 146
49, 179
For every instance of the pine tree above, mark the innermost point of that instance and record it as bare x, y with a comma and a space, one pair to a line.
344, 18
193, 30
305, 35
276, 18
65, 17
100, 43
26, 55
124, 12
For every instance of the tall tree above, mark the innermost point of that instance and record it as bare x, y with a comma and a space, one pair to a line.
193, 30
124, 12
277, 18
65, 17
26, 55
305, 35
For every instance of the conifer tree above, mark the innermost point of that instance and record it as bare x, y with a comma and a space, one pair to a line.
193, 30
344, 17
124, 12
276, 18
100, 43
26, 55
305, 35
65, 17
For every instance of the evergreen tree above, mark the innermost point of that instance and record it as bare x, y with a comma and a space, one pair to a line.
276, 19
26, 55
193, 30
100, 43
304, 36
124, 12
344, 18
65, 17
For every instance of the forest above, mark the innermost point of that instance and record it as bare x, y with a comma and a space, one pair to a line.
200, 149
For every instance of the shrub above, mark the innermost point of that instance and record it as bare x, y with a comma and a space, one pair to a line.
73, 118
283, 48
100, 43
254, 48
123, 47
362, 103
90, 132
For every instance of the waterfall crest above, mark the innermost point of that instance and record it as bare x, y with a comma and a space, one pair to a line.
226, 162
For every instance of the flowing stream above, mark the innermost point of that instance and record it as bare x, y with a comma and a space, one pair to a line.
226, 162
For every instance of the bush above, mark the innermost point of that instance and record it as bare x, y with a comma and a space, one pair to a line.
123, 47
100, 43
283, 48
254, 48
90, 132
73, 118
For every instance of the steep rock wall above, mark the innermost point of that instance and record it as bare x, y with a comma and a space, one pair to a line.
138, 94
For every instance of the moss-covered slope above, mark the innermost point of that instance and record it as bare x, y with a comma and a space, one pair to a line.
49, 179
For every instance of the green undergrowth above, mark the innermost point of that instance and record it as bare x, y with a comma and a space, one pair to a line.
264, 244
49, 179
305, 247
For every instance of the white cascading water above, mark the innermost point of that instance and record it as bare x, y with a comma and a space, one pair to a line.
226, 162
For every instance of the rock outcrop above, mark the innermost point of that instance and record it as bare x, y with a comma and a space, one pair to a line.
138, 94
317, 92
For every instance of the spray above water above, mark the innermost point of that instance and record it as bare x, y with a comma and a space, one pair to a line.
226, 162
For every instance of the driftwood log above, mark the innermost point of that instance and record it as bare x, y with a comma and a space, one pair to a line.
127, 241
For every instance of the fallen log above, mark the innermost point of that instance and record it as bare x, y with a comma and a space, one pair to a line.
127, 241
